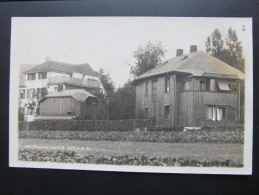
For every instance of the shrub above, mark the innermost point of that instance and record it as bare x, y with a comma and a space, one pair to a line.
73, 157
196, 136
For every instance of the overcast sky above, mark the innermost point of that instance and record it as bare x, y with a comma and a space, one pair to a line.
109, 42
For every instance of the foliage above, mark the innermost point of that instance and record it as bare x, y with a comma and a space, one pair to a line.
147, 57
118, 105
104, 98
107, 82
208, 135
85, 125
231, 54
125, 99
73, 157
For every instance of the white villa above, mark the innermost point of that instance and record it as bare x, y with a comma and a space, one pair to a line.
53, 76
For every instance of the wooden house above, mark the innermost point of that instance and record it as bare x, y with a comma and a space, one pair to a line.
191, 90
68, 104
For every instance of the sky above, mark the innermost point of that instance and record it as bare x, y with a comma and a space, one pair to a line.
109, 42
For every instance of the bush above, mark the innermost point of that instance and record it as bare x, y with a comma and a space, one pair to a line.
73, 157
86, 125
195, 136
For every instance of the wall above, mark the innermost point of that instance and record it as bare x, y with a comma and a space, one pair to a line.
59, 106
156, 105
186, 108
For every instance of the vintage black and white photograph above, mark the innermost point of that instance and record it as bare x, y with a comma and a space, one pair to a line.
134, 94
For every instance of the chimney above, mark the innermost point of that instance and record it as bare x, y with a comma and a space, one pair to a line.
179, 52
47, 58
193, 48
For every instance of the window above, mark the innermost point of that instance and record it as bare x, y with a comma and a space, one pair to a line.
167, 84
22, 93
186, 85
42, 75
31, 76
233, 88
212, 85
146, 111
202, 85
167, 112
223, 85
154, 87
146, 88
215, 113
32, 93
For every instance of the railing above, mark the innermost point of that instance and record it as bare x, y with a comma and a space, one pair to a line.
75, 81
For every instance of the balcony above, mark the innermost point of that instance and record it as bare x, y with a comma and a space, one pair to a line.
74, 81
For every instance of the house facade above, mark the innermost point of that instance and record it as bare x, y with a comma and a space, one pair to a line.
52, 76
191, 90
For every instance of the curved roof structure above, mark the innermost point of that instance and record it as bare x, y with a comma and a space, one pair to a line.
79, 94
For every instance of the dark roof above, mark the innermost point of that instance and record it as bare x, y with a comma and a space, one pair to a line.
79, 94
50, 65
197, 64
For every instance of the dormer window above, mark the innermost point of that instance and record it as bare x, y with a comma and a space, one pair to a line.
31, 76
42, 75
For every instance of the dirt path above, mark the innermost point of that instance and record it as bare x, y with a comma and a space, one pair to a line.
198, 151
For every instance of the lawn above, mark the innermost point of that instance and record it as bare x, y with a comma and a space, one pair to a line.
192, 151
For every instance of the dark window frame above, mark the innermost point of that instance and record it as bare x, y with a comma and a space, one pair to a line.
40, 75
166, 112
31, 76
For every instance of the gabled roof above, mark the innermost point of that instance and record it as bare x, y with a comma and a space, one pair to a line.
196, 64
79, 94
50, 65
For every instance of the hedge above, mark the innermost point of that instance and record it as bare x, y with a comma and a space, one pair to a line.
87, 125
109, 125
195, 136
73, 157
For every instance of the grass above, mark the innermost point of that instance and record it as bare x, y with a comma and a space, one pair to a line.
195, 151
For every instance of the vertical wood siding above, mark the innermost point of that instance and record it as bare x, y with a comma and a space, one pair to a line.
59, 106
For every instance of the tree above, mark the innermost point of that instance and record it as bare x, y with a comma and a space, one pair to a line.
208, 45
104, 99
214, 45
128, 98
147, 57
232, 54
121, 104
234, 51
107, 82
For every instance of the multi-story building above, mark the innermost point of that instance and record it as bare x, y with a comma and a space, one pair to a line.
52, 76
191, 90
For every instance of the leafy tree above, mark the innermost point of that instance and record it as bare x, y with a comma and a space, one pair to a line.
147, 57
214, 45
232, 54
104, 99
208, 45
107, 82
121, 104
234, 51
102, 113
128, 98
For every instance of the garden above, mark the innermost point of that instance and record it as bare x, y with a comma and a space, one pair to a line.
132, 145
